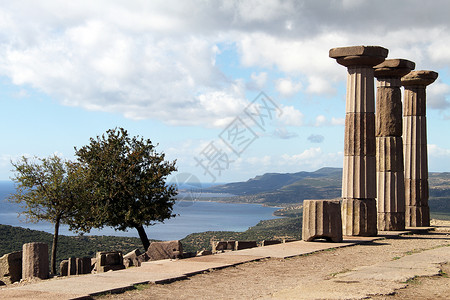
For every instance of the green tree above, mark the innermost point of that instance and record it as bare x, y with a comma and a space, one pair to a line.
129, 180
51, 189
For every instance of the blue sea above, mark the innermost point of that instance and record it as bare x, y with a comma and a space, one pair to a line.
192, 217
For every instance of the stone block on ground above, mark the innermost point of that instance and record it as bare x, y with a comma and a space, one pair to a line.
223, 246
64, 268
322, 220
11, 267
83, 265
109, 261
35, 263
72, 266
241, 245
359, 217
204, 252
165, 250
131, 258
271, 242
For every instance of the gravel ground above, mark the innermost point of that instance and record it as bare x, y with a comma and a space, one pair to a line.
265, 278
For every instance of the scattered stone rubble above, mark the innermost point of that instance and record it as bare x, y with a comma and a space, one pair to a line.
10, 268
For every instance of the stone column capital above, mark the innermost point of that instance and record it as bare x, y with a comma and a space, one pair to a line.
419, 78
393, 68
359, 55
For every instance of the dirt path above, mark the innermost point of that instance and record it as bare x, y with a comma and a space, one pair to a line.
265, 279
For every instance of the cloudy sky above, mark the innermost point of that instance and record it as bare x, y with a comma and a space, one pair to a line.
189, 76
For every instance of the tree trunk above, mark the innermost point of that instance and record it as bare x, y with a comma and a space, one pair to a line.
55, 243
143, 236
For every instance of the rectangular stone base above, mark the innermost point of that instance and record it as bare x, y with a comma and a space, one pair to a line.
391, 221
417, 216
359, 217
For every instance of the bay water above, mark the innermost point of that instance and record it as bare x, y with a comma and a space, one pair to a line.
192, 217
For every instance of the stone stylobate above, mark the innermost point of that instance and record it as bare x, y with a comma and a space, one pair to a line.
389, 145
415, 147
359, 212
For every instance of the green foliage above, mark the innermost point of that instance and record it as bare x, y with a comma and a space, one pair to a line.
290, 212
50, 189
128, 179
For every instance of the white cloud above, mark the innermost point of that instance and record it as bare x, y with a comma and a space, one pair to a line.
321, 120
436, 151
286, 87
291, 116
312, 159
158, 59
437, 94
259, 79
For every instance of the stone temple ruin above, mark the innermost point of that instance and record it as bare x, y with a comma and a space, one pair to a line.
384, 182
385, 172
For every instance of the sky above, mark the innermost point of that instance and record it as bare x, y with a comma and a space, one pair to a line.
228, 89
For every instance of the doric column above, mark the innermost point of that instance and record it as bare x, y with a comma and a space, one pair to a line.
359, 213
389, 145
415, 147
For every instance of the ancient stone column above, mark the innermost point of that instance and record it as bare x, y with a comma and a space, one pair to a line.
389, 144
359, 212
415, 147
35, 261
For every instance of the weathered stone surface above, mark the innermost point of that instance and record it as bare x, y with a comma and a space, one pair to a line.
271, 242
72, 266
359, 172
35, 261
389, 154
390, 176
414, 130
415, 147
359, 55
358, 51
64, 268
417, 216
416, 192
360, 134
359, 217
204, 252
240, 245
390, 194
388, 118
131, 258
223, 246
394, 68
389, 221
322, 219
360, 90
11, 267
359, 177
83, 265
107, 261
415, 101
165, 250
421, 78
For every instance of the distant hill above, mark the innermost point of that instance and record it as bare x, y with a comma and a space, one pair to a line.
270, 182
284, 189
